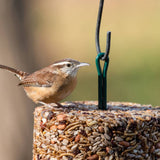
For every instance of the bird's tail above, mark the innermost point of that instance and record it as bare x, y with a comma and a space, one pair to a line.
19, 74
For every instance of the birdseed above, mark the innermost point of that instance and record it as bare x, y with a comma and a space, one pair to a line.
82, 132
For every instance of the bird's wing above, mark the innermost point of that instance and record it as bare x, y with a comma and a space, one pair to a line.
39, 79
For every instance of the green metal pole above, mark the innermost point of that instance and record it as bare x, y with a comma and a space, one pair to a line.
102, 82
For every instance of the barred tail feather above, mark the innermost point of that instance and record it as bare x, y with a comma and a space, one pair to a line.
18, 73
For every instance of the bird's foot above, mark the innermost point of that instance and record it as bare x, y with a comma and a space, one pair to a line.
59, 105
51, 107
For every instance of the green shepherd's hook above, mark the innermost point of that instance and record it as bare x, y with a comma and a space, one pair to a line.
102, 81
102, 76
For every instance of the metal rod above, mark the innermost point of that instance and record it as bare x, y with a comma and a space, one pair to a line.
108, 44
102, 77
105, 68
98, 26
100, 93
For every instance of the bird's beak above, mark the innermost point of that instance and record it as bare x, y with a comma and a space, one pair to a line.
82, 64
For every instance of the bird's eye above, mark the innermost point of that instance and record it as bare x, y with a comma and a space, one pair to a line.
68, 65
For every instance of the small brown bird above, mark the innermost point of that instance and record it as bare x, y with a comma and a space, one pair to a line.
50, 84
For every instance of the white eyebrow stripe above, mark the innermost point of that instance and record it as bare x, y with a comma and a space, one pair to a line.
60, 63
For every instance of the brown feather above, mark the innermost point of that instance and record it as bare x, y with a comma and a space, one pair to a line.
17, 72
43, 78
50, 84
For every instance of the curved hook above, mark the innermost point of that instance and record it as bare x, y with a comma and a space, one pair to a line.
108, 44
97, 33
98, 26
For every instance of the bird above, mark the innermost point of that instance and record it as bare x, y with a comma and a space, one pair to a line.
50, 84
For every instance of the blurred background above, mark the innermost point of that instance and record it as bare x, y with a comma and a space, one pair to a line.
34, 34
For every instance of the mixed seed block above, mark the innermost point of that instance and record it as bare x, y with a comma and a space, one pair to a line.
126, 131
